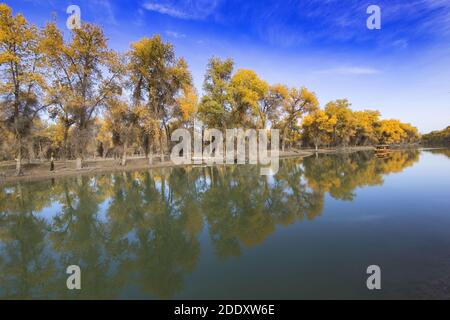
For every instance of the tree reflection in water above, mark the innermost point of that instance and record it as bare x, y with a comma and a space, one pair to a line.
140, 231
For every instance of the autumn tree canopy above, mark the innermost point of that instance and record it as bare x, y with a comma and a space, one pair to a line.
74, 97
21, 78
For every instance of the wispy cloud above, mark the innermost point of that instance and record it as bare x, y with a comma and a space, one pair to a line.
165, 9
400, 43
350, 71
329, 22
187, 10
174, 34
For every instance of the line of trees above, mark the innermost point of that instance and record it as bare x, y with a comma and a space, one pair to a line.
437, 138
338, 125
74, 97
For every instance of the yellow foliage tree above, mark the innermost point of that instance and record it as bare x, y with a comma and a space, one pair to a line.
84, 72
157, 78
390, 132
298, 103
188, 103
247, 91
318, 127
21, 82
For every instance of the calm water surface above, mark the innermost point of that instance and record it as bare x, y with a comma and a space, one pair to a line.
311, 231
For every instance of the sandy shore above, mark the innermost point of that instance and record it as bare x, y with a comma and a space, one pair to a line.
41, 170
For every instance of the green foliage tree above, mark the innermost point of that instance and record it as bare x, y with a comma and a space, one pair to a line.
437, 138
215, 106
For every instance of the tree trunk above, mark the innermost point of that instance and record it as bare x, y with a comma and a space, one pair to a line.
19, 161
124, 155
148, 150
31, 155
79, 163
19, 166
283, 146
65, 152
162, 148
41, 152
150, 158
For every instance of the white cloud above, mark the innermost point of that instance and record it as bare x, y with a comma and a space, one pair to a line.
176, 35
187, 10
400, 43
163, 9
350, 71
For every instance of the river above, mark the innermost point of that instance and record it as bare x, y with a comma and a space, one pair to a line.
310, 231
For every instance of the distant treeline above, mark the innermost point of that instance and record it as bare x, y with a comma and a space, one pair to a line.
437, 138
73, 97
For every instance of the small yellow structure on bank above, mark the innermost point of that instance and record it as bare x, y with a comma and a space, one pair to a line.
382, 150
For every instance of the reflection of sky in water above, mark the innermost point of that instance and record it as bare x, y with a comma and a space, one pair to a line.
102, 214
50, 212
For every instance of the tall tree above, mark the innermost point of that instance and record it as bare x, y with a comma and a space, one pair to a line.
187, 106
411, 133
390, 132
298, 103
215, 106
271, 107
121, 121
345, 127
247, 91
157, 78
318, 127
84, 72
366, 122
21, 82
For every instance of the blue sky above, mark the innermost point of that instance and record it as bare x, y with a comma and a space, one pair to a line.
403, 69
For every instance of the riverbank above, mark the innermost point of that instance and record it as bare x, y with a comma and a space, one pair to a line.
36, 171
